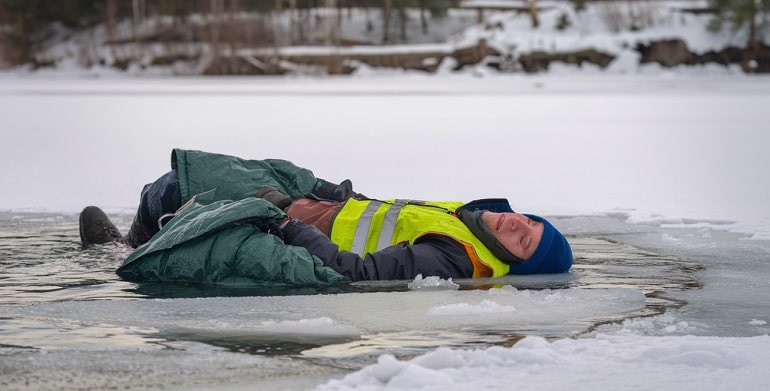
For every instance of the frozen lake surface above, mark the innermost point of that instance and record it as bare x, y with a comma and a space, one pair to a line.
659, 181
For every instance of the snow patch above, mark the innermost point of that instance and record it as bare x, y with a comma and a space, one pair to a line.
533, 363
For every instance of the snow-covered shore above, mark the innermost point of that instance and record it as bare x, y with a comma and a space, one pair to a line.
616, 29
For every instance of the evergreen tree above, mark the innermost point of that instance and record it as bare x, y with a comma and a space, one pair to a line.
739, 13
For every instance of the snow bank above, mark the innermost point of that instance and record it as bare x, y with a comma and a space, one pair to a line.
601, 363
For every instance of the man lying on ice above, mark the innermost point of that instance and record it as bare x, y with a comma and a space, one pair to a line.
233, 221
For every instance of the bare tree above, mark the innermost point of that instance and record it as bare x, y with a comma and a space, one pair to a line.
110, 16
215, 13
402, 19
533, 13
423, 19
331, 32
292, 22
138, 9
331, 24
387, 8
233, 38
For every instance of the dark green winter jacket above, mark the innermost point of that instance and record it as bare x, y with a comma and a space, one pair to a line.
220, 237
233, 178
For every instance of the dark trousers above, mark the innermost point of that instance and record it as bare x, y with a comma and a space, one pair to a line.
163, 197
157, 198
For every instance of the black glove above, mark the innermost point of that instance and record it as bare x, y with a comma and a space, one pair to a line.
330, 192
274, 196
271, 225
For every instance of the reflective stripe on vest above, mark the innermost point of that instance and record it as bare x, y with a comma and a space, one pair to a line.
364, 227
367, 233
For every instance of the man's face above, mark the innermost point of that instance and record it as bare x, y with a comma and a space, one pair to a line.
518, 233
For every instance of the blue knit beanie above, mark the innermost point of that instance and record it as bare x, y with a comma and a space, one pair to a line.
553, 254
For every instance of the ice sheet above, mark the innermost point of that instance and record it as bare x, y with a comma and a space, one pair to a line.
342, 317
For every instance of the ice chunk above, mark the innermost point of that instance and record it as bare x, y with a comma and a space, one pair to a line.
318, 326
432, 282
351, 315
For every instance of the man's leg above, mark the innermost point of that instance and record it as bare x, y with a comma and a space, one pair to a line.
157, 199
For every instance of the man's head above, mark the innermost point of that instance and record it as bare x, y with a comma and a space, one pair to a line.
529, 243
553, 253
519, 234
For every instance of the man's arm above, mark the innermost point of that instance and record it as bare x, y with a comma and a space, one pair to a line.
431, 256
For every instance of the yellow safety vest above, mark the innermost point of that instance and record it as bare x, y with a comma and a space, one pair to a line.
364, 227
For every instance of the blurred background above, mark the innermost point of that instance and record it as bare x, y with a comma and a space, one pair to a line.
328, 37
